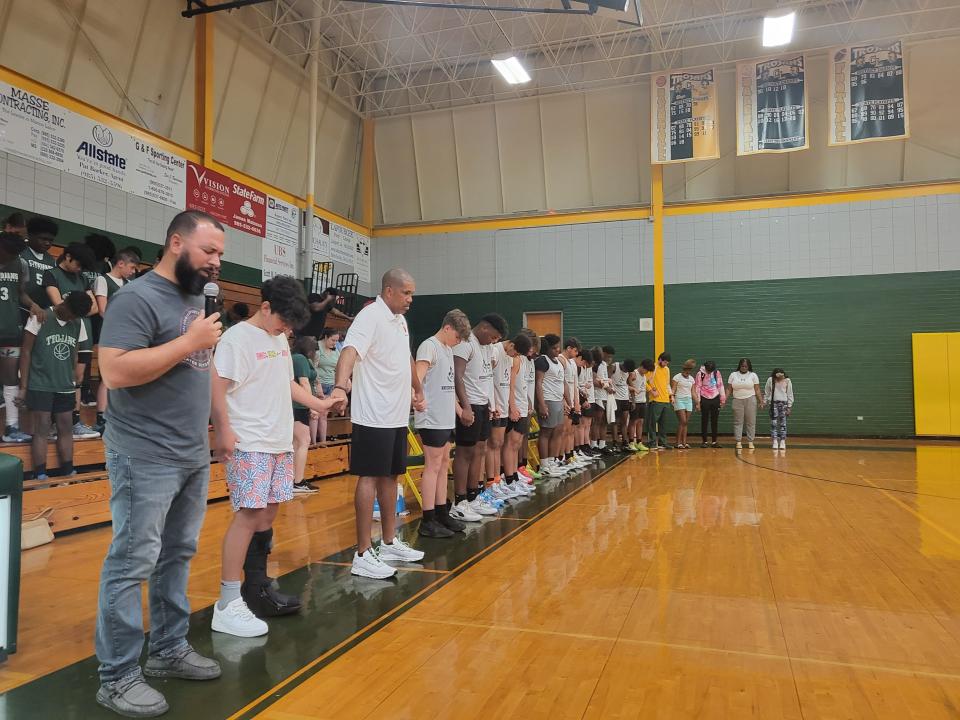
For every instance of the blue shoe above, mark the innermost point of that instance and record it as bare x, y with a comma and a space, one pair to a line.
489, 498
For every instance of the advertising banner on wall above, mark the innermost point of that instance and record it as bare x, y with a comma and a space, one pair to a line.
44, 132
230, 202
282, 239
867, 93
361, 257
343, 244
772, 106
683, 116
321, 239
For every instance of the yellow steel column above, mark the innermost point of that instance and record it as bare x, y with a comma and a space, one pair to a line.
203, 88
367, 172
656, 212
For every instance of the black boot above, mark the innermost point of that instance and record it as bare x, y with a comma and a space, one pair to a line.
443, 517
257, 590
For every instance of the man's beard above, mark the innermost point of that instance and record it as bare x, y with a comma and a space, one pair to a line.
188, 277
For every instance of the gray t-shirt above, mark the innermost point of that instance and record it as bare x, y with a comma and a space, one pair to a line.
438, 391
164, 421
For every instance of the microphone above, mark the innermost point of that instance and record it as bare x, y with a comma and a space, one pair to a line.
210, 293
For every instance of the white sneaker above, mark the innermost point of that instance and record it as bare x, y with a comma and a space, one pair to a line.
750, 446
499, 492
783, 444
739, 446
776, 445
236, 619
370, 565
554, 471
399, 551
521, 490
480, 507
464, 513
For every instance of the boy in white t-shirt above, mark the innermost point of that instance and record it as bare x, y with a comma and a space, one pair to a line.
252, 393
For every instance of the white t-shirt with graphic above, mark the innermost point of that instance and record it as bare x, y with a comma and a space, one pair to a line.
743, 384
258, 399
438, 390
478, 374
684, 386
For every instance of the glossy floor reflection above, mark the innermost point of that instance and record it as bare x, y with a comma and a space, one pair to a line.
822, 583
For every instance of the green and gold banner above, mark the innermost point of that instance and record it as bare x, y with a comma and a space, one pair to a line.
683, 117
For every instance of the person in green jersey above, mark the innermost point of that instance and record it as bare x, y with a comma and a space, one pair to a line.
41, 234
305, 375
122, 270
14, 279
68, 276
48, 357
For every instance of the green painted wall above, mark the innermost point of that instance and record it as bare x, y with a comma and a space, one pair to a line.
74, 232
845, 341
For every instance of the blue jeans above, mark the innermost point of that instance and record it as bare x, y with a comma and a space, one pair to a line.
157, 514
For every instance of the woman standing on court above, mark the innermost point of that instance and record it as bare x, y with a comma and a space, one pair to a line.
713, 396
744, 388
325, 361
778, 392
683, 387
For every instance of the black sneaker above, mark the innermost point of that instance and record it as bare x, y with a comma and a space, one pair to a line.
303, 488
704, 444
717, 445
443, 517
266, 602
433, 529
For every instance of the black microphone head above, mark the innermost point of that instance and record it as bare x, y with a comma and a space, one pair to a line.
211, 290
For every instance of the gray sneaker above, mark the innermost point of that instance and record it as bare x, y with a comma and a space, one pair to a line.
186, 664
84, 432
132, 697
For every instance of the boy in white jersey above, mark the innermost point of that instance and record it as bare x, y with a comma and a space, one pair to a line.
435, 424
604, 390
571, 422
550, 405
524, 469
638, 404
587, 401
618, 379
511, 398
473, 381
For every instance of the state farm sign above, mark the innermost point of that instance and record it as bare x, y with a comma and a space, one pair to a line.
230, 202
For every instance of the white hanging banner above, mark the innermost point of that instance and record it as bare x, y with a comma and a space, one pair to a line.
321, 239
34, 128
361, 258
281, 240
342, 244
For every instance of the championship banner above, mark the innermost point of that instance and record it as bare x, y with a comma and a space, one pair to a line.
867, 93
772, 106
34, 128
683, 118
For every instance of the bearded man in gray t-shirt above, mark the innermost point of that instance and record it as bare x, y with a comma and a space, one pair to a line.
155, 351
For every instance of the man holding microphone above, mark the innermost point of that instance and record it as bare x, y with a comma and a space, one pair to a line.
155, 356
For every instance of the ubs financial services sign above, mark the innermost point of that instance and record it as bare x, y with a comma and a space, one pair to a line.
232, 203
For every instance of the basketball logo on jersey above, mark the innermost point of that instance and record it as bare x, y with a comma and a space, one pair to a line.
199, 359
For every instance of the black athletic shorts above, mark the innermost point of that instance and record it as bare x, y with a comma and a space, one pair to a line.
575, 418
639, 411
378, 452
55, 402
301, 415
623, 406
479, 431
599, 410
499, 422
435, 438
521, 426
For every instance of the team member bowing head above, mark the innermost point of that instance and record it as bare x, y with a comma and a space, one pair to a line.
253, 392
376, 355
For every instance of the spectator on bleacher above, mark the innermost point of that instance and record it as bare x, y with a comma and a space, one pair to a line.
48, 358
141, 273
325, 361
122, 269
15, 224
103, 253
377, 357
321, 305
304, 374
253, 392
14, 279
69, 276
155, 357
41, 234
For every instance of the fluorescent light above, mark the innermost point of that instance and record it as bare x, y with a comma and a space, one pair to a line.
511, 69
778, 30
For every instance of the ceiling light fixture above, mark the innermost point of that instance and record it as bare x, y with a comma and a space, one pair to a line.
511, 69
778, 30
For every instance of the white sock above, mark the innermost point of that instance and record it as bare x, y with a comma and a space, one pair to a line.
594, 443
13, 412
603, 444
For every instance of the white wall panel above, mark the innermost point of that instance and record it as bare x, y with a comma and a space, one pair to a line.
478, 160
566, 167
291, 172
36, 40
436, 157
237, 114
614, 140
397, 168
933, 152
338, 148
279, 103
521, 156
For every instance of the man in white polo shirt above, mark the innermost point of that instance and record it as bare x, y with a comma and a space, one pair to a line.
376, 354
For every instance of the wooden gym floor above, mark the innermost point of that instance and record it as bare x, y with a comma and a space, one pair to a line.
819, 584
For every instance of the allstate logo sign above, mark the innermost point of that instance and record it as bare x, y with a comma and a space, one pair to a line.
102, 135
